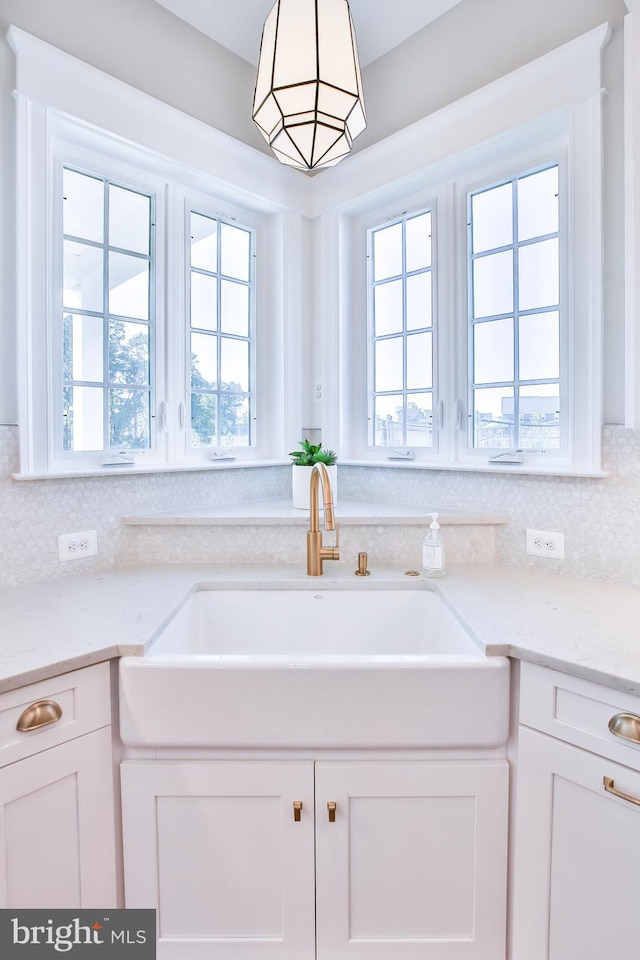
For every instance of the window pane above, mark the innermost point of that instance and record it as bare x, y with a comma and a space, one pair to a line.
419, 419
387, 252
83, 413
128, 286
540, 346
493, 417
419, 361
492, 218
234, 364
539, 275
540, 417
128, 353
82, 279
234, 308
388, 421
203, 419
129, 419
387, 308
234, 420
493, 284
388, 364
82, 206
493, 351
234, 252
203, 361
538, 204
204, 243
418, 242
419, 301
204, 301
129, 219
82, 348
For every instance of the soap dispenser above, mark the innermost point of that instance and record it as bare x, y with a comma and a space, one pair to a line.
433, 549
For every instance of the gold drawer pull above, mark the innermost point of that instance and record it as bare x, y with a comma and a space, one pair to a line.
297, 809
609, 787
625, 725
331, 807
39, 714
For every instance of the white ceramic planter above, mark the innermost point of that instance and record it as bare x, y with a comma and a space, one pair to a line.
300, 480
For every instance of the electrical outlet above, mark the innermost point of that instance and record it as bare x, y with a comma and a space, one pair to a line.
75, 546
542, 543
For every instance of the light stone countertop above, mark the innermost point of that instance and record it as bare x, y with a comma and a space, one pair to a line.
590, 630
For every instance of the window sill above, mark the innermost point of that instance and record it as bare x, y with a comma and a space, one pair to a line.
506, 468
139, 469
279, 511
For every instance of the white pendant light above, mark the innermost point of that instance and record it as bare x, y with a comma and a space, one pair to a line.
308, 99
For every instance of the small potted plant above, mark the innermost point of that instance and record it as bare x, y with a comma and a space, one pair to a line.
303, 461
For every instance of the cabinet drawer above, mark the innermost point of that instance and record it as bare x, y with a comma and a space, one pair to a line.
83, 697
577, 711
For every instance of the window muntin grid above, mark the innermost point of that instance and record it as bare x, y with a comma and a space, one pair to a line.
515, 314
221, 342
108, 315
401, 340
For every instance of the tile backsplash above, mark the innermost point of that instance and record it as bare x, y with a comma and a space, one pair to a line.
600, 518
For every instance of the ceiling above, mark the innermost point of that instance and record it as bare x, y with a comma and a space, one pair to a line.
380, 24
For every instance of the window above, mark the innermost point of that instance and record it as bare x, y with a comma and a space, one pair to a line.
515, 315
145, 352
111, 368
107, 319
401, 333
221, 332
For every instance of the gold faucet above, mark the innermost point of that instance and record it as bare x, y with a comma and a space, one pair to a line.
316, 553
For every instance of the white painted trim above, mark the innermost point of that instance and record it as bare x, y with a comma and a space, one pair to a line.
632, 220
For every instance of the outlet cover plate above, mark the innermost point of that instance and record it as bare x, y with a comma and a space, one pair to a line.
545, 543
76, 546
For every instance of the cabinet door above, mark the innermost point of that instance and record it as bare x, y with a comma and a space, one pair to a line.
577, 852
216, 849
414, 865
57, 846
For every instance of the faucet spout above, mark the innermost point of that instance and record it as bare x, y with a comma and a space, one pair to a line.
316, 552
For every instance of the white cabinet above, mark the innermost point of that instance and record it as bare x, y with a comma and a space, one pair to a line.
388, 859
57, 837
577, 844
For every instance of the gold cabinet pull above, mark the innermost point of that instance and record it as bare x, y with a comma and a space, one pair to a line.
626, 726
331, 807
39, 714
297, 810
610, 788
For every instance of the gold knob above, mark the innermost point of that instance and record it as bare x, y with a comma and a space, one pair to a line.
331, 807
297, 809
362, 566
39, 714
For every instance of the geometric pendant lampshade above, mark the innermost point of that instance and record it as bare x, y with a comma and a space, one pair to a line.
308, 99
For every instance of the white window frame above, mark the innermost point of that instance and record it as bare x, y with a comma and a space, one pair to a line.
402, 218
65, 154
546, 112
69, 112
207, 206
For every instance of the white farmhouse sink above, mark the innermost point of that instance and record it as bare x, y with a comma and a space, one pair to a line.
314, 666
